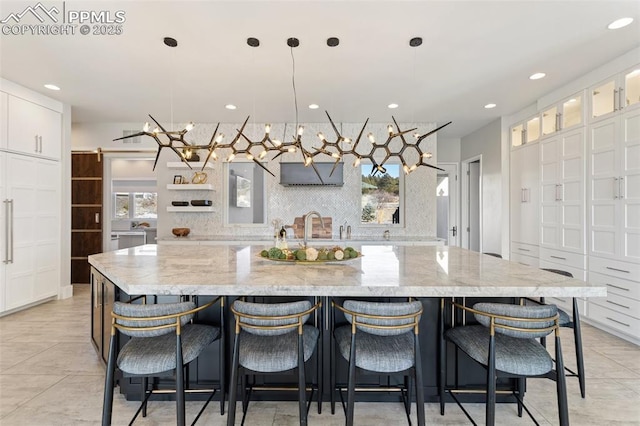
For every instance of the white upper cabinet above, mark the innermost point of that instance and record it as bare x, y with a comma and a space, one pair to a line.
33, 129
563, 115
562, 191
526, 132
616, 93
614, 181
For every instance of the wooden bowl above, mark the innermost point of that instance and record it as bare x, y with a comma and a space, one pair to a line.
181, 232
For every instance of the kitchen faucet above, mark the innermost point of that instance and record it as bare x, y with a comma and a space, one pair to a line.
306, 225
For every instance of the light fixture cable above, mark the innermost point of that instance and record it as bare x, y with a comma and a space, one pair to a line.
293, 83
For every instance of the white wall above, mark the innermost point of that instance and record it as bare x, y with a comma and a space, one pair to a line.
449, 150
487, 142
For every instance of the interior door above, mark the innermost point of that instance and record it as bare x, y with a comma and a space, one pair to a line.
474, 205
86, 214
447, 204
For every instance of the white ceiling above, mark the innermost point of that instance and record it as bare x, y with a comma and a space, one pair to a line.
473, 53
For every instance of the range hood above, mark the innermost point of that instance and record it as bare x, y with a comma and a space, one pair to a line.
296, 174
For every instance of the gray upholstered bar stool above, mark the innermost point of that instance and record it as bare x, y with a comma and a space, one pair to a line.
163, 339
505, 342
272, 338
381, 338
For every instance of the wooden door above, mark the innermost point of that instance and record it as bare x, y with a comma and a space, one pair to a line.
86, 214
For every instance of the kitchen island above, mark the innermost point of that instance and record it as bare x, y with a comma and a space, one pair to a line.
384, 271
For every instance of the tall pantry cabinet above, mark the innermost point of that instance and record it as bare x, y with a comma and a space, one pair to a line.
30, 191
614, 201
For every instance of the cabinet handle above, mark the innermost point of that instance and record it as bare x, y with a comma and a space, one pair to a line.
522, 197
523, 249
8, 245
557, 121
617, 287
97, 218
621, 103
528, 194
558, 257
617, 304
615, 99
6, 231
617, 270
40, 138
621, 188
616, 188
36, 148
559, 192
619, 322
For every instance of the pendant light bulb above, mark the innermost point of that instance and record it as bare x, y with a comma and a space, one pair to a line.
427, 155
321, 136
356, 162
300, 130
146, 127
336, 155
231, 157
372, 138
347, 140
249, 156
214, 155
262, 154
267, 128
156, 131
416, 135
277, 142
390, 129
307, 160
412, 168
292, 149
219, 138
189, 126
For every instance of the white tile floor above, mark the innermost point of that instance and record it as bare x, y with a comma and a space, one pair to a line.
51, 375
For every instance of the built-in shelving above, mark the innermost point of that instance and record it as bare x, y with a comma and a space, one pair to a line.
190, 209
191, 187
194, 165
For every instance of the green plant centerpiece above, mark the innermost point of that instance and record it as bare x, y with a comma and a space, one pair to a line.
311, 254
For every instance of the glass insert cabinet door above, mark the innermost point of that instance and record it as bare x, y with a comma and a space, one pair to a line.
517, 135
619, 92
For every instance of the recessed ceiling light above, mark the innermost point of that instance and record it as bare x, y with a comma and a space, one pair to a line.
230, 106
314, 106
51, 87
489, 106
392, 106
537, 76
619, 23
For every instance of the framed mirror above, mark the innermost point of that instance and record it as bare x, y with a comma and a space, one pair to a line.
246, 194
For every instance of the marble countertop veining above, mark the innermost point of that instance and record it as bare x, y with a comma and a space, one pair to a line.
382, 271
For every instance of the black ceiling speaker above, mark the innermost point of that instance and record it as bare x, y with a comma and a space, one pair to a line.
293, 42
170, 41
253, 42
415, 42
333, 41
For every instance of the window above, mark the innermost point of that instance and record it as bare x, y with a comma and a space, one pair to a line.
135, 205
381, 195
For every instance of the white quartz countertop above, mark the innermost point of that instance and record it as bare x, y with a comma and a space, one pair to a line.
382, 271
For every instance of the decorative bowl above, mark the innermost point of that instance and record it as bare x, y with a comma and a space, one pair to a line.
181, 232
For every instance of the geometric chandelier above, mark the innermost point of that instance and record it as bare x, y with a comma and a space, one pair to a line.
257, 150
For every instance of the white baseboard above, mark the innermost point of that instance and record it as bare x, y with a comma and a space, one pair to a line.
65, 292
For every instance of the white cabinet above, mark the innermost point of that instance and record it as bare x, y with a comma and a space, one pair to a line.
617, 93
192, 188
525, 195
525, 132
562, 115
619, 311
33, 129
4, 99
614, 183
30, 190
562, 178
